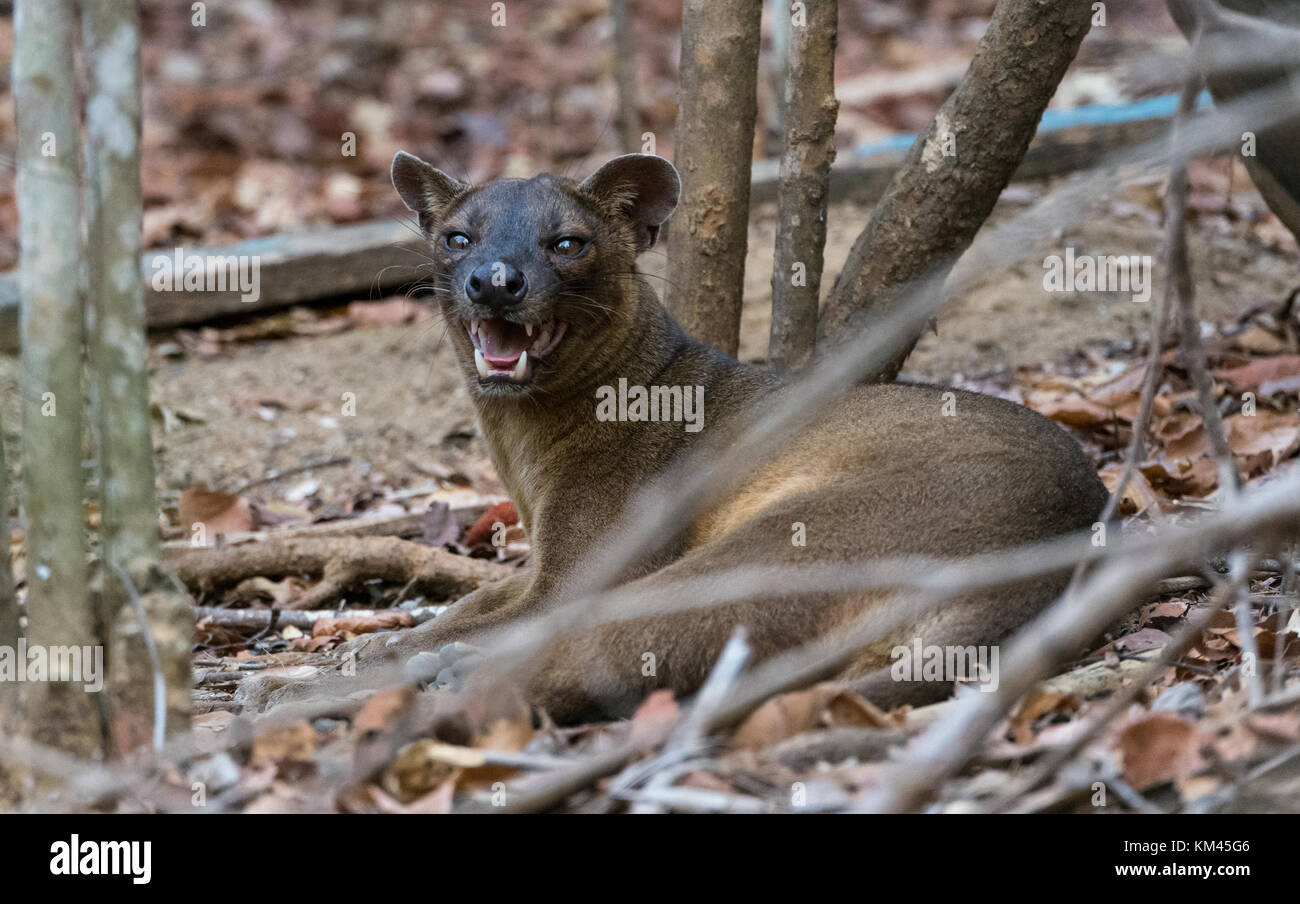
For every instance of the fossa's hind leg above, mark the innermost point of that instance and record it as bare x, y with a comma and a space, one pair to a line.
606, 670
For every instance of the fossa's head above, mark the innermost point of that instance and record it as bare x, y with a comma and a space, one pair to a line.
535, 277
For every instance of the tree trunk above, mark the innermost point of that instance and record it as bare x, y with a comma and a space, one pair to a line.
713, 150
8, 597
56, 712
119, 361
629, 117
955, 172
1270, 30
807, 152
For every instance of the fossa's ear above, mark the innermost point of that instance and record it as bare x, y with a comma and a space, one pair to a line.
641, 187
423, 188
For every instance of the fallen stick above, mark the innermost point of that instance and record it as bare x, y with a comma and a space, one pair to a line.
833, 745
407, 524
697, 800
554, 788
1086, 681
342, 562
261, 619
689, 737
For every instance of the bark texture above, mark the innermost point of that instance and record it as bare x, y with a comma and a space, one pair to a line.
58, 713
807, 152
953, 174
115, 300
713, 151
147, 615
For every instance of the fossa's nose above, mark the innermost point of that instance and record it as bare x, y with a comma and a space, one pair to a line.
497, 285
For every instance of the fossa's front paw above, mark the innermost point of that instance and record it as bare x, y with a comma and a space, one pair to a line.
449, 667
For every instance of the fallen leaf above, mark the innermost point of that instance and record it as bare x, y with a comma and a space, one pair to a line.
382, 709
416, 770
361, 624
508, 735
1158, 748
1139, 495
1262, 440
1182, 437
482, 531
438, 525
1072, 409
1199, 479
219, 513
790, 714
295, 741
1138, 641
653, 718
1250, 377
1257, 340
1039, 702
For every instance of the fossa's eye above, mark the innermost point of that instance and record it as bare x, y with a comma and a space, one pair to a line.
569, 246
457, 241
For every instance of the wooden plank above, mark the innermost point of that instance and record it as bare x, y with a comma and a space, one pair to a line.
377, 258
362, 261
864, 178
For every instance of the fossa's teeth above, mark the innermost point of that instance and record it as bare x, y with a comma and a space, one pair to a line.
481, 364
521, 366
528, 328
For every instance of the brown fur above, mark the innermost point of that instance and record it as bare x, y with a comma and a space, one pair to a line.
882, 473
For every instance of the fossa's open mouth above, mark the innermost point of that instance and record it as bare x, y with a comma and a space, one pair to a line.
509, 351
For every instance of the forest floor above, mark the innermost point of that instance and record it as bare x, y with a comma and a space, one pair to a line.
238, 404
325, 418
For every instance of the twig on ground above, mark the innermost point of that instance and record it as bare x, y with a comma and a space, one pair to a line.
696, 800
272, 476
1049, 639
1187, 634
688, 739
407, 524
1244, 615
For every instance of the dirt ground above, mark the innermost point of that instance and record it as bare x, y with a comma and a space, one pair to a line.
264, 406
